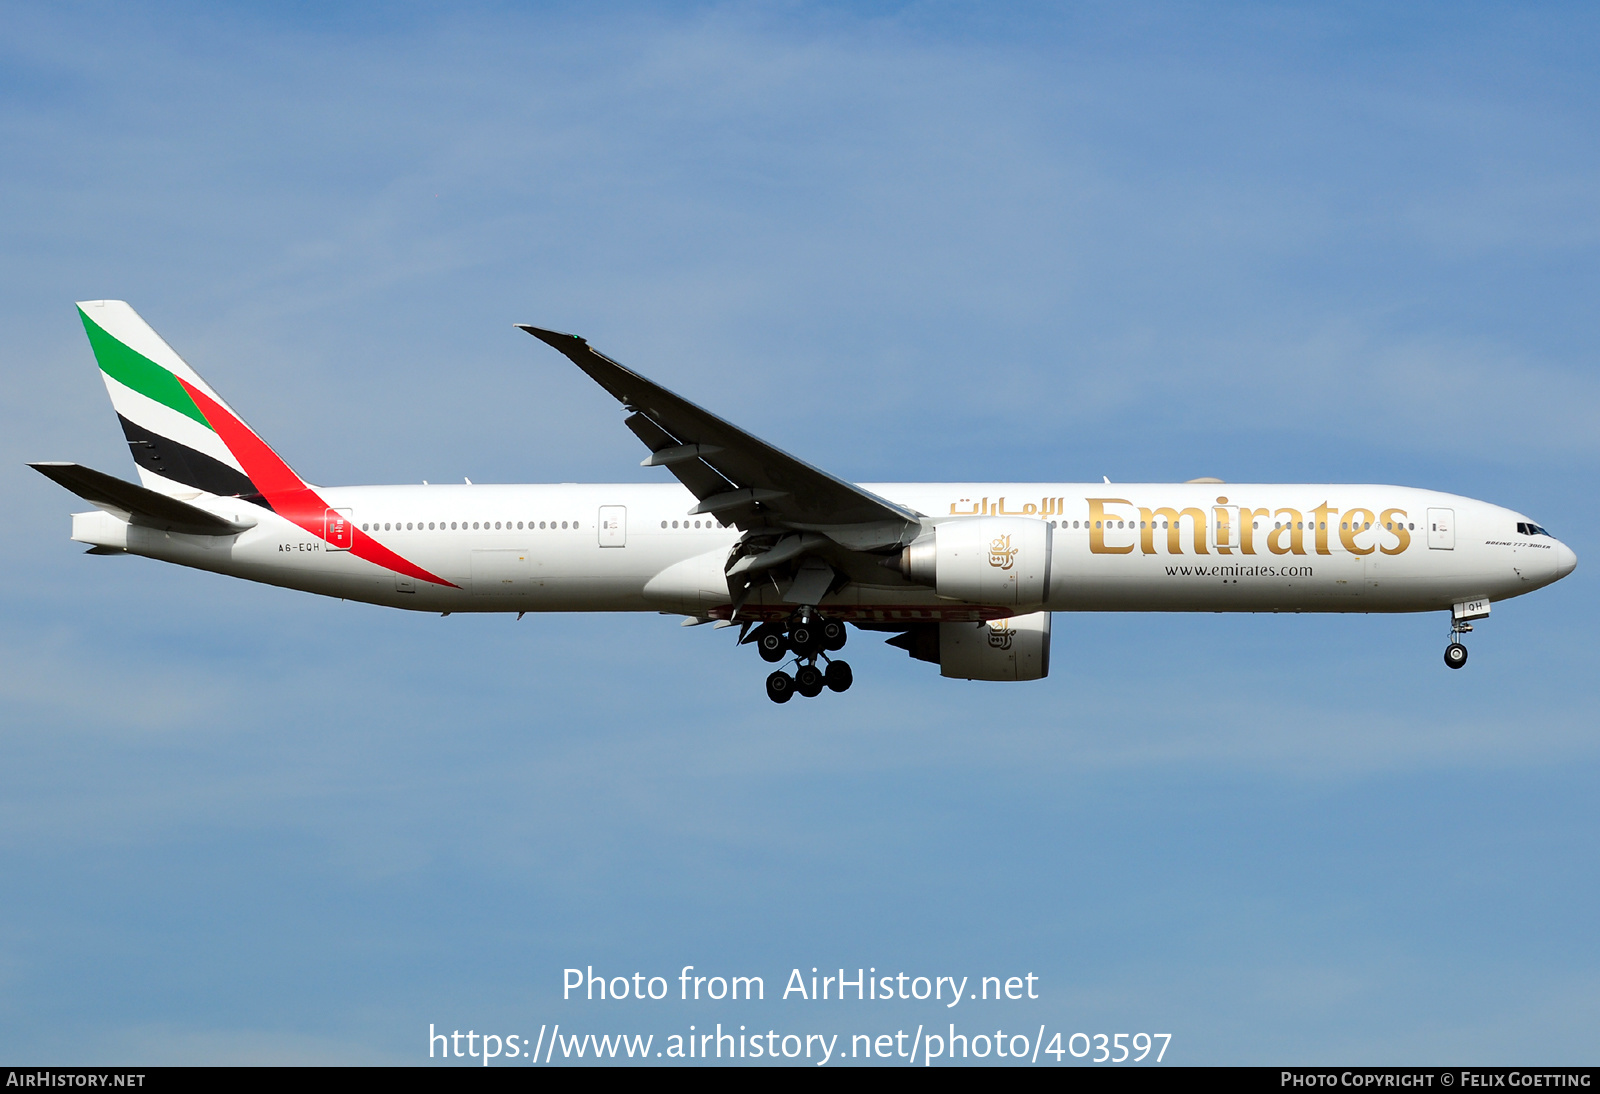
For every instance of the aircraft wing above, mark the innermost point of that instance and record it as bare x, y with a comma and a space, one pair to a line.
738, 478
137, 504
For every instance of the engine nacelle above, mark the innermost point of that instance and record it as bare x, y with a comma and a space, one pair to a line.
1003, 561
1006, 649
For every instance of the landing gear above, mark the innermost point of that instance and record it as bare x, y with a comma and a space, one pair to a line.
771, 643
1455, 654
780, 687
807, 637
834, 634
808, 681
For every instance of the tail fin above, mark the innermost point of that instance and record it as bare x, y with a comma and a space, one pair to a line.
183, 436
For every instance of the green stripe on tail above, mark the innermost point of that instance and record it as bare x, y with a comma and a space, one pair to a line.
135, 370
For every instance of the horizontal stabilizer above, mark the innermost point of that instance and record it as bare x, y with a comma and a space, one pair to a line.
137, 504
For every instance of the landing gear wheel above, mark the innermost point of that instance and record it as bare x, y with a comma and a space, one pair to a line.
833, 634
780, 687
839, 676
1455, 655
771, 644
808, 681
805, 638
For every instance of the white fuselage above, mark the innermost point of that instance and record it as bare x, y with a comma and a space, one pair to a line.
1123, 547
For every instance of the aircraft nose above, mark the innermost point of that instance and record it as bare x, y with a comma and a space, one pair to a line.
1566, 560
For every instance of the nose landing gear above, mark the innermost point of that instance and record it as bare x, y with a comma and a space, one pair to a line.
1455, 654
807, 637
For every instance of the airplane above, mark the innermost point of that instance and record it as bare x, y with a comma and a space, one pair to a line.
963, 575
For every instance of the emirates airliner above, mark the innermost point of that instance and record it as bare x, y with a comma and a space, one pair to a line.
964, 575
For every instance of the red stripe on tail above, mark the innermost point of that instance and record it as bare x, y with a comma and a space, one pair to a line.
287, 493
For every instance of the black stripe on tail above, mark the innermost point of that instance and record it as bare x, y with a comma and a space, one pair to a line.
180, 463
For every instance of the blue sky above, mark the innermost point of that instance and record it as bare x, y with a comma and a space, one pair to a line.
1302, 243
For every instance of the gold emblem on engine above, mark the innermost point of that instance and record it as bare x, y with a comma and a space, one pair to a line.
1001, 554
1000, 635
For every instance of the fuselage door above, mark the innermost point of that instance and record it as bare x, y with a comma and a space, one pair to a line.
1442, 529
1225, 528
613, 526
337, 530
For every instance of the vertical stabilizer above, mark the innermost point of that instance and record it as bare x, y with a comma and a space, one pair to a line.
183, 437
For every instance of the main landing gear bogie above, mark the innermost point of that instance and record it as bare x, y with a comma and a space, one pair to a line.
808, 681
772, 644
805, 638
808, 638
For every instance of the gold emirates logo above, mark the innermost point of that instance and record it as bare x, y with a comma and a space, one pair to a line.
1000, 636
1002, 556
1234, 530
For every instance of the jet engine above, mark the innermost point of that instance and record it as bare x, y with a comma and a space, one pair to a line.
1003, 561
1003, 649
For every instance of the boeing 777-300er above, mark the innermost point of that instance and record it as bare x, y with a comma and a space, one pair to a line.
965, 575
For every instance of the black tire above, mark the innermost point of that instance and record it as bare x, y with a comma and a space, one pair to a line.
771, 644
834, 634
839, 676
1455, 655
805, 638
780, 687
808, 681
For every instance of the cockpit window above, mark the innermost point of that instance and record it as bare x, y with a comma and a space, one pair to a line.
1528, 528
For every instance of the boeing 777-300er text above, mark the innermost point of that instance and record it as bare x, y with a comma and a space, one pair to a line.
965, 575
